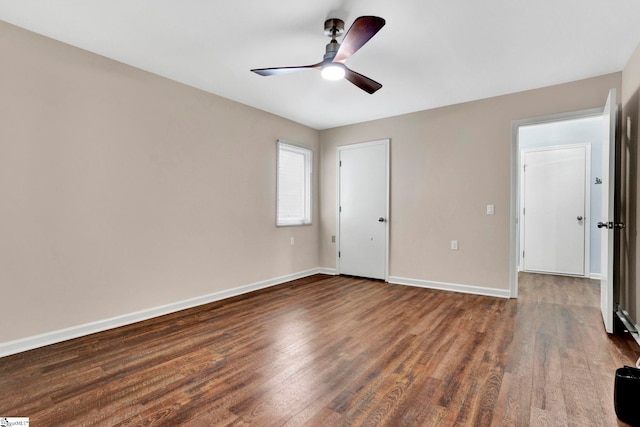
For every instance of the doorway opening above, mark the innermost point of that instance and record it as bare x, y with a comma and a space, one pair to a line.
540, 134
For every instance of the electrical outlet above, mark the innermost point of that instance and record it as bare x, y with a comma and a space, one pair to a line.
490, 210
333, 239
454, 245
293, 241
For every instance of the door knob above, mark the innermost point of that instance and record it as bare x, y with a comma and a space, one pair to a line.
602, 225
619, 225
579, 218
381, 219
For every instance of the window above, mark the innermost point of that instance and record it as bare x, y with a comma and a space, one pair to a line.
293, 185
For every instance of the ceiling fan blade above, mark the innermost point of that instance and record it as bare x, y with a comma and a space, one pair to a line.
361, 31
284, 70
363, 82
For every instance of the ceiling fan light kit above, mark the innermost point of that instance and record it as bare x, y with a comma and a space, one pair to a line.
332, 66
333, 72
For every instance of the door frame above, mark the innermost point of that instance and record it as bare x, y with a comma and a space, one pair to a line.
587, 203
387, 144
515, 183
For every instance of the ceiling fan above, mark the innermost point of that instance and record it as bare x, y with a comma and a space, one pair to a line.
332, 65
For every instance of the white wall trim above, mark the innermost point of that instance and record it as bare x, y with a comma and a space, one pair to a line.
633, 329
41, 340
453, 287
327, 270
595, 276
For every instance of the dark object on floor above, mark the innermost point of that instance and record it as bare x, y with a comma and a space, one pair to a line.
626, 393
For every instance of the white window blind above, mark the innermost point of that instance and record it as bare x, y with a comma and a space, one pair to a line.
294, 185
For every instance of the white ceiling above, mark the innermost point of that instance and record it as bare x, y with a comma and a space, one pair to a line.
431, 53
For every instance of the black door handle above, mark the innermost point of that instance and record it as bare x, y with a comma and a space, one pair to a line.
381, 219
611, 225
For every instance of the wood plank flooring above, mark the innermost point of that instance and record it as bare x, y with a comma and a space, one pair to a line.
325, 351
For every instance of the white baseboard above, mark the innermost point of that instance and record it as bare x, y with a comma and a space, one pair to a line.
628, 322
29, 343
453, 287
329, 271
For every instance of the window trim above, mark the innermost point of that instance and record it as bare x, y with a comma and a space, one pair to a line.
308, 153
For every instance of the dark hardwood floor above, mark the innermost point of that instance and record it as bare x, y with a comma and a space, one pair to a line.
327, 350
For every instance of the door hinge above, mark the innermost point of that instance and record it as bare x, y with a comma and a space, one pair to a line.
338, 254
340, 163
522, 254
523, 210
524, 168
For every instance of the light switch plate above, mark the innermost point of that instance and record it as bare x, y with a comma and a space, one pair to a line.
490, 209
454, 245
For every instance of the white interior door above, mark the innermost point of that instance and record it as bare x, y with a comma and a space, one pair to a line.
363, 196
555, 207
607, 223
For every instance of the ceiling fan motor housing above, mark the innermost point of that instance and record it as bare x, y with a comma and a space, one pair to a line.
331, 50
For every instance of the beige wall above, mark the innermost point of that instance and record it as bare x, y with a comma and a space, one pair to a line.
121, 190
447, 164
627, 292
631, 77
